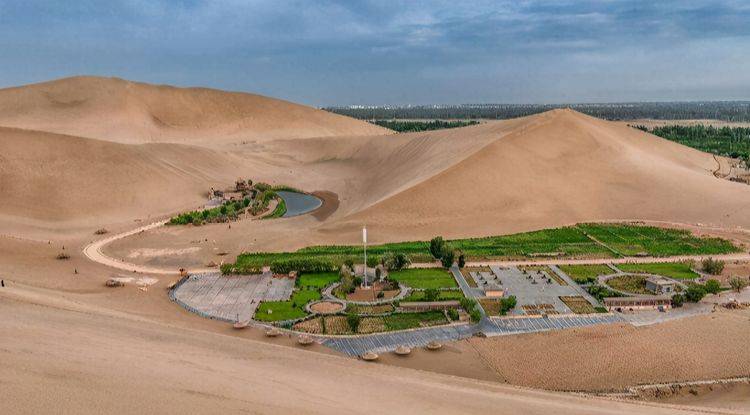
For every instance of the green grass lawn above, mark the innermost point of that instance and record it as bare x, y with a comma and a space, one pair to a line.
583, 274
317, 280
629, 283
286, 310
423, 278
445, 295
403, 321
676, 270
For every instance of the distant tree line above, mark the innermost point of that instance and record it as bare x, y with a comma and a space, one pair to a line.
737, 111
414, 126
725, 141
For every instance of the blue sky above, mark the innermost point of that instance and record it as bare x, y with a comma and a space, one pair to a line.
392, 52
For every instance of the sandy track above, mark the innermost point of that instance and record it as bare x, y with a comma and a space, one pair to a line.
93, 251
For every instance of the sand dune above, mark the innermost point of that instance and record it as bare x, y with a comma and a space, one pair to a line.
558, 168
132, 112
91, 360
58, 181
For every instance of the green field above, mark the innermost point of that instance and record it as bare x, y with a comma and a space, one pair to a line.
286, 310
317, 280
445, 295
580, 241
676, 270
653, 241
584, 274
424, 278
403, 321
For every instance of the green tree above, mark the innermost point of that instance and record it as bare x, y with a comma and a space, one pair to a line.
447, 256
436, 247
461, 260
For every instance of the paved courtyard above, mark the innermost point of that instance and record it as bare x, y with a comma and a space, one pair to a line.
230, 298
532, 289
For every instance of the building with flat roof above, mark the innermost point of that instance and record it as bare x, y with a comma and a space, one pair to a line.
660, 285
638, 303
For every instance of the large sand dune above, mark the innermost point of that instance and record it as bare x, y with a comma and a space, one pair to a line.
557, 168
132, 112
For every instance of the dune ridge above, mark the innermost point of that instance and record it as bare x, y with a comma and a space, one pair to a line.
133, 112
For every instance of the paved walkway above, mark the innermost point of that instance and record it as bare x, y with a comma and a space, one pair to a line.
490, 326
386, 342
499, 326
468, 291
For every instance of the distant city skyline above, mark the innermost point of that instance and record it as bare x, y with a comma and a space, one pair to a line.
419, 52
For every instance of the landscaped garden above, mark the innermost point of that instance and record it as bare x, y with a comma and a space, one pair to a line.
676, 270
583, 240
434, 295
635, 284
578, 304
346, 324
292, 309
585, 274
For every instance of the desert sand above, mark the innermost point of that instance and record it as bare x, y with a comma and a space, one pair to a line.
86, 153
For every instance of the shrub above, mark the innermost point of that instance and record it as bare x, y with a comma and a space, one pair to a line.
284, 266
678, 300
695, 293
475, 315
712, 266
436, 247
712, 286
353, 320
461, 260
223, 209
468, 304
453, 314
349, 263
737, 283
431, 294
262, 187
507, 304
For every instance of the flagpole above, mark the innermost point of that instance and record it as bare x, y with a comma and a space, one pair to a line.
364, 242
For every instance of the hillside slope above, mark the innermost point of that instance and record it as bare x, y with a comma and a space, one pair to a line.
557, 168
132, 112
